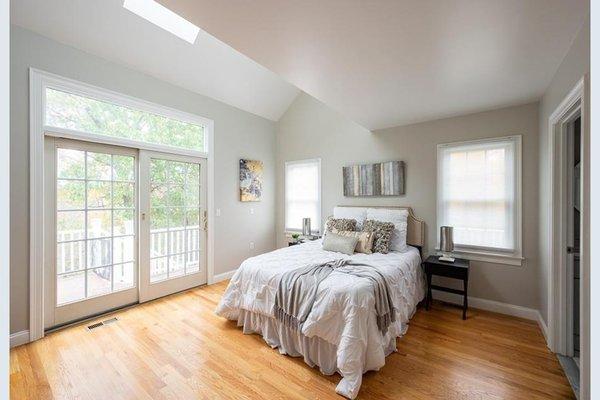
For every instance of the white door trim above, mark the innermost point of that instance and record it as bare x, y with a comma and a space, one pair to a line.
575, 101
38, 81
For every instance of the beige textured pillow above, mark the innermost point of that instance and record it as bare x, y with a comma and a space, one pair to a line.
365, 240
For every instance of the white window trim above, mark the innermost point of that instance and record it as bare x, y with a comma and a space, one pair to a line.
483, 253
38, 82
289, 231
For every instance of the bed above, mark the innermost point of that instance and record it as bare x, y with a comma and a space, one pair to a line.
340, 334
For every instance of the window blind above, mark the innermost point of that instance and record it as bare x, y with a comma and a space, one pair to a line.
302, 194
477, 193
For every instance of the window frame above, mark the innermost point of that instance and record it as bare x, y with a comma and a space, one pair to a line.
76, 88
319, 230
484, 253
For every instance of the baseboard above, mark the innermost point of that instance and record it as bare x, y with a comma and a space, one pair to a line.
489, 305
543, 327
223, 276
19, 338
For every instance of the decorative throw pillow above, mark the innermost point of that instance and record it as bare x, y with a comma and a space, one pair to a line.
383, 234
398, 217
340, 244
365, 240
340, 224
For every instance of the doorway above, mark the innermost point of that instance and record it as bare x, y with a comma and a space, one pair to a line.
573, 235
125, 226
568, 252
570, 356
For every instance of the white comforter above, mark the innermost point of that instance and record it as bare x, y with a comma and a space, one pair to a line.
343, 314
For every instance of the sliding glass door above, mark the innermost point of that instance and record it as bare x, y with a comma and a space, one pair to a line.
123, 226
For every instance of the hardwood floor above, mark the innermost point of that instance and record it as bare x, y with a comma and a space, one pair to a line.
177, 348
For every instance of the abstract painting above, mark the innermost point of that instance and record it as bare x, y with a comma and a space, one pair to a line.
251, 176
381, 179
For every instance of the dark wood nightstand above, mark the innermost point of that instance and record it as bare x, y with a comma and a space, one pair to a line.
459, 269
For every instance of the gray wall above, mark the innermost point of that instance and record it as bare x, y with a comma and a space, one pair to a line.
310, 129
238, 134
574, 66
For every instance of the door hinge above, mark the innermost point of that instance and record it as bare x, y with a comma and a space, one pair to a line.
205, 220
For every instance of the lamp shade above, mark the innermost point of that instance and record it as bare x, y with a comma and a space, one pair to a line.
446, 239
306, 226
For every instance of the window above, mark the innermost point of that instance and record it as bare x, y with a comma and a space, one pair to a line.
175, 201
95, 223
479, 194
85, 114
303, 194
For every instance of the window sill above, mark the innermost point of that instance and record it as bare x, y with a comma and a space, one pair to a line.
491, 257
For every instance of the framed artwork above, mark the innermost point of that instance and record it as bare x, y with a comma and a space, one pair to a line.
251, 180
380, 179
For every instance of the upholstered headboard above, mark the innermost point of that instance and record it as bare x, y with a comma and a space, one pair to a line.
416, 227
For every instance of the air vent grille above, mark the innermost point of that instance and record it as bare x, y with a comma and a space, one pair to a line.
99, 324
94, 326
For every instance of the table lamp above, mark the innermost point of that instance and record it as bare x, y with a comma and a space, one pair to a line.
446, 243
306, 227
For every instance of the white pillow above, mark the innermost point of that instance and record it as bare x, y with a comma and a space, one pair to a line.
400, 220
357, 213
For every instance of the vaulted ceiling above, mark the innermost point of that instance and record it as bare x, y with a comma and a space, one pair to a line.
391, 62
379, 62
209, 67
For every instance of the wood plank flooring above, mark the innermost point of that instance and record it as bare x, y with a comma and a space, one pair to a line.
177, 348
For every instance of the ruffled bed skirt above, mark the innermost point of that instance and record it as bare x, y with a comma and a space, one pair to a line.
316, 351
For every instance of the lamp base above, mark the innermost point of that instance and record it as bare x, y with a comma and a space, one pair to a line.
446, 258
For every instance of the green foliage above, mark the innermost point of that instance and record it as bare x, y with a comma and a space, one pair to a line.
71, 111
109, 183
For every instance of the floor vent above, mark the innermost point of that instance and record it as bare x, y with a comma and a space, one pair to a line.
94, 326
99, 324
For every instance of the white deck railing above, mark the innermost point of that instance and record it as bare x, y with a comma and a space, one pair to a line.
71, 256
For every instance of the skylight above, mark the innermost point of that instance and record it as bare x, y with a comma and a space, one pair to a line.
163, 17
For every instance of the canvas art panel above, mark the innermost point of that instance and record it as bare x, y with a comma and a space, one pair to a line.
380, 179
251, 180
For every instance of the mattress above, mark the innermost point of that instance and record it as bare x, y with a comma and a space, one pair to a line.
340, 334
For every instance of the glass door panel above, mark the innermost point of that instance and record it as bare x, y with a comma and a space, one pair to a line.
95, 237
172, 224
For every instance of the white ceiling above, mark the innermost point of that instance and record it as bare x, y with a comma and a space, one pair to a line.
209, 67
391, 62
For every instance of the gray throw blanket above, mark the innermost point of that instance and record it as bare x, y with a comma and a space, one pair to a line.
297, 292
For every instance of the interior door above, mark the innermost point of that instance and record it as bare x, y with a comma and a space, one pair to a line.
91, 198
173, 223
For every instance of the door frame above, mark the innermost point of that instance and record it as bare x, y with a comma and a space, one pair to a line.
38, 82
577, 101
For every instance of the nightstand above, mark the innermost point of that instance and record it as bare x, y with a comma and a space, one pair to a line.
459, 269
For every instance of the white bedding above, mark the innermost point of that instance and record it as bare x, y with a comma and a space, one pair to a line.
341, 332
